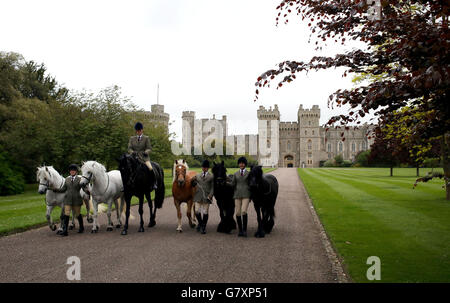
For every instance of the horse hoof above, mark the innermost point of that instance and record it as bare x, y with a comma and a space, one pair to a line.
152, 223
90, 220
109, 228
179, 231
71, 227
59, 232
118, 226
53, 227
141, 229
94, 231
124, 232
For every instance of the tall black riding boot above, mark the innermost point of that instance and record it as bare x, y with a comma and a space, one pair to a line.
80, 222
199, 221
204, 221
239, 222
244, 225
65, 226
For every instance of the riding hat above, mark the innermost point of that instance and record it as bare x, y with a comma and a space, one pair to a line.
205, 163
73, 167
138, 126
243, 160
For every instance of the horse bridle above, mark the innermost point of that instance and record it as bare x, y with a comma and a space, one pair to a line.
48, 184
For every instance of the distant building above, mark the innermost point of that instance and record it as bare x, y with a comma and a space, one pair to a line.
301, 143
158, 116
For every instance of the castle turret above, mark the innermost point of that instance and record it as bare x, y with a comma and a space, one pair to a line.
268, 129
309, 133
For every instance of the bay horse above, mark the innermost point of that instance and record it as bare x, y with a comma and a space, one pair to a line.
139, 181
183, 191
223, 192
264, 191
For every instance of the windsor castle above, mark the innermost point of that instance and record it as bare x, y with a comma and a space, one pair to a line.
301, 143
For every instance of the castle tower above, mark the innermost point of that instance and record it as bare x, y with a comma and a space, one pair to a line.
309, 134
269, 127
158, 116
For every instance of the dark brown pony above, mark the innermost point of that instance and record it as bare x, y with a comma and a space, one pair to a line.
183, 191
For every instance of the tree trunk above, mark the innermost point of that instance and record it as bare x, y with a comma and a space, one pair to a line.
446, 162
417, 171
392, 171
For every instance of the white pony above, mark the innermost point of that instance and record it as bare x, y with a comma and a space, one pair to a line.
106, 187
47, 177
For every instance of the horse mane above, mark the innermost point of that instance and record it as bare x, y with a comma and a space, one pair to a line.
93, 166
42, 172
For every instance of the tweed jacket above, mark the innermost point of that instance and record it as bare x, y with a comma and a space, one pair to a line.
205, 187
240, 185
72, 190
140, 147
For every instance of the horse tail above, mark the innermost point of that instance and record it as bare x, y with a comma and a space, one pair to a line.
161, 189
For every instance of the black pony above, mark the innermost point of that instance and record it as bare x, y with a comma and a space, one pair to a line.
264, 191
138, 181
223, 193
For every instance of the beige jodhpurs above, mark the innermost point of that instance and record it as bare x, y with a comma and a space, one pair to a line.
149, 165
76, 210
201, 208
241, 206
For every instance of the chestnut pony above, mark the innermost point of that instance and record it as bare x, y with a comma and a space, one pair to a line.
183, 191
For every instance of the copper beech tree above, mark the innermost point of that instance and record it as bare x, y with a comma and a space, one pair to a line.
406, 50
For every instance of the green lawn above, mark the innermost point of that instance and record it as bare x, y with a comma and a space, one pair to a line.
27, 210
367, 213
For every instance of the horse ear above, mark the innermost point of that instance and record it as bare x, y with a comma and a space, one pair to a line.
176, 161
184, 161
46, 168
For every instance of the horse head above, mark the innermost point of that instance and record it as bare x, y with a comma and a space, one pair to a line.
46, 176
127, 167
180, 172
255, 177
220, 173
90, 171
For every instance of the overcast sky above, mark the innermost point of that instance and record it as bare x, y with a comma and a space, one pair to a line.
205, 54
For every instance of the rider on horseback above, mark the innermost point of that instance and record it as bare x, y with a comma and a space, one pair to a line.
140, 146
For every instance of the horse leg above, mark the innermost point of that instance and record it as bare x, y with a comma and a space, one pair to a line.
259, 233
141, 214
59, 230
177, 205
118, 212
95, 226
189, 213
88, 211
110, 225
152, 210
48, 215
127, 215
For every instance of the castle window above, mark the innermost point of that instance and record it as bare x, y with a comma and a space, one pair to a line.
364, 145
309, 122
329, 147
309, 144
340, 147
313, 133
309, 155
353, 146
306, 132
289, 145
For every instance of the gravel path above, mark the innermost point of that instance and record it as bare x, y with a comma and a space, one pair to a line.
295, 251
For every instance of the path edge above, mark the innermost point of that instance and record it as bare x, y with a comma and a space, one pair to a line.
336, 262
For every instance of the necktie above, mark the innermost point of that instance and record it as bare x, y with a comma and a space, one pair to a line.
204, 174
139, 138
242, 172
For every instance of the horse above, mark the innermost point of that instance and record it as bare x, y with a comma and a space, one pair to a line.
138, 181
106, 187
223, 193
264, 191
47, 177
183, 191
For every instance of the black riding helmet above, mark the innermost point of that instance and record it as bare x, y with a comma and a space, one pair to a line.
243, 160
138, 126
205, 163
73, 167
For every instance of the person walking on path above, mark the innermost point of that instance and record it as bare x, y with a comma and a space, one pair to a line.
241, 196
203, 196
